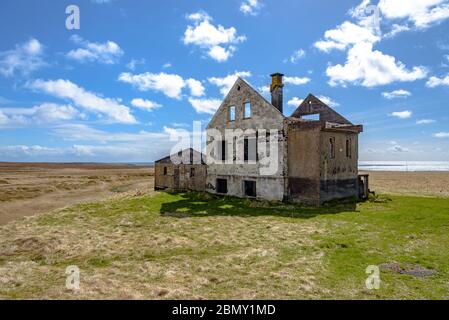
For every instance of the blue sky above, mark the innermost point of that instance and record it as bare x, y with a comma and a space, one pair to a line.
137, 71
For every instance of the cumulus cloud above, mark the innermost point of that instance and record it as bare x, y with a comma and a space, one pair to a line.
296, 81
250, 7
107, 52
225, 84
169, 84
422, 13
196, 87
295, 102
40, 114
437, 82
23, 59
205, 105
402, 114
396, 94
364, 65
145, 104
108, 108
345, 35
369, 68
218, 42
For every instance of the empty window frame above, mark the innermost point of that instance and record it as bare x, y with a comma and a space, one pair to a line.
221, 150
314, 117
249, 149
165, 171
231, 111
268, 144
332, 147
249, 188
192, 172
222, 186
348, 148
247, 110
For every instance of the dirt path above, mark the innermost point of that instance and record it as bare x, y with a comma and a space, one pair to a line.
38, 188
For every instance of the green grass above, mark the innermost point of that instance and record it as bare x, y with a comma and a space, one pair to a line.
190, 245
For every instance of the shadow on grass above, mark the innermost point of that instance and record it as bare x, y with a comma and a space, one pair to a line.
192, 204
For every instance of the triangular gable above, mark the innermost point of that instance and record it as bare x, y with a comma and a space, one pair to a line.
240, 82
313, 105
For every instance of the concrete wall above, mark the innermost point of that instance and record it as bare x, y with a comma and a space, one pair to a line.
264, 116
338, 177
162, 181
178, 177
304, 143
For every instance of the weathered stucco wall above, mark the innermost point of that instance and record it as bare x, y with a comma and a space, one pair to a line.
162, 181
338, 174
304, 142
179, 177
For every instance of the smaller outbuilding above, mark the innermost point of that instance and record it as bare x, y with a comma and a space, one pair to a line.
185, 170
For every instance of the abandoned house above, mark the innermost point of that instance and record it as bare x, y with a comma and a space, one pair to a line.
183, 171
254, 151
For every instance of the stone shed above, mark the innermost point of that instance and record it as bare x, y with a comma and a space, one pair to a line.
185, 170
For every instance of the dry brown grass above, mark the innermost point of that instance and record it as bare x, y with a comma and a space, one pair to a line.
410, 183
127, 250
27, 189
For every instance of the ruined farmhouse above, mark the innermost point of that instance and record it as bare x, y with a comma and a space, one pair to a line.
254, 150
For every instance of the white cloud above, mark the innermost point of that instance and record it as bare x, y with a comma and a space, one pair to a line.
442, 135
329, 101
39, 114
402, 114
396, 29
345, 35
145, 104
369, 68
131, 65
205, 105
167, 65
169, 84
296, 56
221, 54
422, 13
225, 84
23, 59
196, 87
396, 94
108, 52
250, 7
265, 90
218, 41
295, 102
297, 81
110, 108
81, 132
436, 82
425, 121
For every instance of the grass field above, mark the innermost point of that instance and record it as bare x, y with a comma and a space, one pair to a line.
197, 246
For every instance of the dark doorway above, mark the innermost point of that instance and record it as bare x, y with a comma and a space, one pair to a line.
250, 188
222, 186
